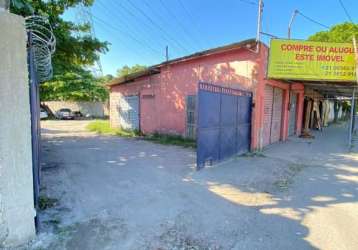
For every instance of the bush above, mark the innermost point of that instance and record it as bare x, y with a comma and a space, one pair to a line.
103, 127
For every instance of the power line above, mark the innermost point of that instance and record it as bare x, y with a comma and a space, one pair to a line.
116, 13
127, 33
110, 29
268, 34
122, 8
177, 20
249, 2
346, 11
191, 18
312, 20
156, 25
161, 17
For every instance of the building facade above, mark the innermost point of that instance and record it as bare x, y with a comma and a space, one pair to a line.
162, 98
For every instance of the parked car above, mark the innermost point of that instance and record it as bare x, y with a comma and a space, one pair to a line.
65, 114
43, 114
77, 114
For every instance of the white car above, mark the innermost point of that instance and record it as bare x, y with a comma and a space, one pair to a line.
65, 114
43, 114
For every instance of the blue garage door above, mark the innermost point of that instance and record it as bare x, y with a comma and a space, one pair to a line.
224, 123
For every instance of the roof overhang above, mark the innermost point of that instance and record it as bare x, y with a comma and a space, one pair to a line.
249, 44
155, 69
131, 77
327, 88
330, 89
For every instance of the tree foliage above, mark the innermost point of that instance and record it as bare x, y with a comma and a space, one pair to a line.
126, 70
343, 32
74, 53
76, 87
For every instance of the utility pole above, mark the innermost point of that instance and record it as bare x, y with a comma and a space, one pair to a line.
352, 124
294, 14
352, 117
259, 21
355, 47
166, 53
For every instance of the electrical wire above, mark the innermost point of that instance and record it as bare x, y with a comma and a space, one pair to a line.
123, 41
115, 13
118, 6
161, 17
157, 26
346, 11
172, 14
192, 19
312, 20
128, 34
249, 2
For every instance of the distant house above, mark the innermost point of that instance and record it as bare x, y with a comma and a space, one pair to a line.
162, 98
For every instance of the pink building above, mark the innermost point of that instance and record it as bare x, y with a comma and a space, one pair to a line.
160, 99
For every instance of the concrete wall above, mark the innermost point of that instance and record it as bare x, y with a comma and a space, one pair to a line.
162, 102
16, 185
95, 109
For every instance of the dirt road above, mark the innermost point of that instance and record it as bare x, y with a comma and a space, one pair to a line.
116, 193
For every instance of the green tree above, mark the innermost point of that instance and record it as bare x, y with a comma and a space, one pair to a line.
340, 33
76, 87
74, 53
343, 32
126, 70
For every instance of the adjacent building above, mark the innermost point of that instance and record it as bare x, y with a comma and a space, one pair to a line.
162, 98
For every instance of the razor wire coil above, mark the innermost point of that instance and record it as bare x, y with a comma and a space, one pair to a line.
43, 45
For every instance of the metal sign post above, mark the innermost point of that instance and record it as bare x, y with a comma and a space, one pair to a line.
294, 14
351, 128
356, 56
351, 122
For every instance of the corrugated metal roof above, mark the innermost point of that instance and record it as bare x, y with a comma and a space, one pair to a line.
155, 69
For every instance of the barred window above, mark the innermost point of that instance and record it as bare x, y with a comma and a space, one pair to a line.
191, 116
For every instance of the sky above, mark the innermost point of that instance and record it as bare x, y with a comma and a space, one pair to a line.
139, 30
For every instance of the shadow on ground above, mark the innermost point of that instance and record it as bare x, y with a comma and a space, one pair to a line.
119, 193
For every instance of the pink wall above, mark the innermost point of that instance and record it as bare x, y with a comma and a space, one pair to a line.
259, 103
232, 69
148, 88
162, 102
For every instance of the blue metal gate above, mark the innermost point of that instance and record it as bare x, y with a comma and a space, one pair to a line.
224, 123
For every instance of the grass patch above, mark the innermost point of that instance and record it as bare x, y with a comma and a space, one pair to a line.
168, 139
102, 127
46, 202
254, 154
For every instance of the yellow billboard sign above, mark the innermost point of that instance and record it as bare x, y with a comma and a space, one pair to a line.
314, 61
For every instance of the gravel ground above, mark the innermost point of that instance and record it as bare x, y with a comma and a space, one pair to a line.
116, 193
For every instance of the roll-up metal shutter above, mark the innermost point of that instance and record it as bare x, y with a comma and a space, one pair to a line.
273, 101
268, 102
276, 115
293, 110
129, 112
